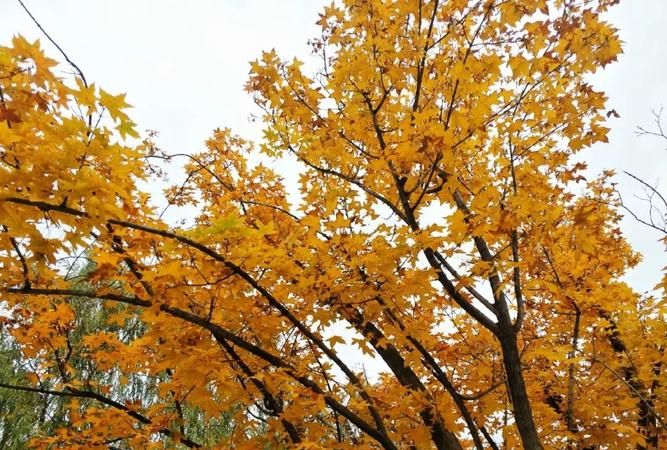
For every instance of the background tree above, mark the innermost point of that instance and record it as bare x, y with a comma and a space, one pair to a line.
656, 212
655, 218
28, 412
21, 413
443, 219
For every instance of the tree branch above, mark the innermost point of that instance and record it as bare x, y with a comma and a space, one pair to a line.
73, 392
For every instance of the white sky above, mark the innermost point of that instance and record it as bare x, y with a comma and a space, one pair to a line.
183, 65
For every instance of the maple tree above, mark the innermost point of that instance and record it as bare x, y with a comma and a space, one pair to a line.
443, 220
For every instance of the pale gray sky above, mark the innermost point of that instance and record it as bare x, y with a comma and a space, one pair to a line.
183, 65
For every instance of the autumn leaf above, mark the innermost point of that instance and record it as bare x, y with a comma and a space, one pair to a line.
442, 221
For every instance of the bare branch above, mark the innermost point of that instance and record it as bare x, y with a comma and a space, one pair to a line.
62, 52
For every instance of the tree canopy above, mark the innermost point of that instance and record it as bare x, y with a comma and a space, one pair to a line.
445, 224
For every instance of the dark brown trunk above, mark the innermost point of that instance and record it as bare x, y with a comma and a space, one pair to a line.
523, 414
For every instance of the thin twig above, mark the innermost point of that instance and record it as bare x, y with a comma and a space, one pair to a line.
62, 52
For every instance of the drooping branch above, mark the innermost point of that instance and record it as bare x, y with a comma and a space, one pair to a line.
273, 301
220, 333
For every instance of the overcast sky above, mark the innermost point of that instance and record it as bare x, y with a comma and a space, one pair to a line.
183, 65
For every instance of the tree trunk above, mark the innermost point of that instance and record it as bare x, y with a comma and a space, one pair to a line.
523, 414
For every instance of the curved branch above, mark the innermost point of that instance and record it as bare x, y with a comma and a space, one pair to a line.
72, 392
62, 52
220, 333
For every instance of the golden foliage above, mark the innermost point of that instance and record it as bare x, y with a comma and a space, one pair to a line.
438, 225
